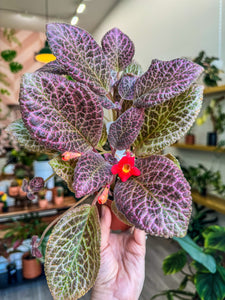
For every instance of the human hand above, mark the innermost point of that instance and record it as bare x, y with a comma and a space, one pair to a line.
122, 269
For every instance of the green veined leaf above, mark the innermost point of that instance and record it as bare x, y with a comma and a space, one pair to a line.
164, 124
64, 169
72, 257
174, 262
214, 237
211, 286
20, 132
197, 253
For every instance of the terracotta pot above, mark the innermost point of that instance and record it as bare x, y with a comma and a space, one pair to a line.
190, 139
13, 191
31, 267
58, 200
43, 203
1, 206
116, 223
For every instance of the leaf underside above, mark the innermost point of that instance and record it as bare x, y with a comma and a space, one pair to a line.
73, 253
166, 123
159, 200
64, 169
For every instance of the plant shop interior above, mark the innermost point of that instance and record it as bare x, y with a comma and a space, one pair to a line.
187, 267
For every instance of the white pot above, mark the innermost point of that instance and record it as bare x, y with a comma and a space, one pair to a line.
44, 170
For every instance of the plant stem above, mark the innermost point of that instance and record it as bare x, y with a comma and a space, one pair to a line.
53, 174
59, 217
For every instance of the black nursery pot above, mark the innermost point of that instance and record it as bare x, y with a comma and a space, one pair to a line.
212, 139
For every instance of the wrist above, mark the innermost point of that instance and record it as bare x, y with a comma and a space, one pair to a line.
103, 294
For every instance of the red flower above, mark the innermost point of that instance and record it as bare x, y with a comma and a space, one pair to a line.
125, 167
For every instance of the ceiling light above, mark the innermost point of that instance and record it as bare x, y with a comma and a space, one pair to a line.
81, 8
45, 54
74, 20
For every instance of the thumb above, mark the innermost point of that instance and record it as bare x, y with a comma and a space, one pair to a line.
105, 224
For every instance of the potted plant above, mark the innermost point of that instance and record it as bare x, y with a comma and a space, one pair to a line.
14, 189
151, 110
42, 201
19, 232
203, 179
203, 267
3, 202
217, 116
211, 72
190, 137
59, 196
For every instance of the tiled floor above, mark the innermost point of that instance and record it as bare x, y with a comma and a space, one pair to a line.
155, 281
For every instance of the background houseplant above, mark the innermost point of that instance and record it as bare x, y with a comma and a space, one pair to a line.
86, 154
203, 179
203, 266
18, 232
217, 117
211, 72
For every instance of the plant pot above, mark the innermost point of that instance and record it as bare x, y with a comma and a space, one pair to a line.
43, 203
58, 200
5, 209
13, 191
21, 192
116, 223
211, 138
190, 139
1, 206
31, 267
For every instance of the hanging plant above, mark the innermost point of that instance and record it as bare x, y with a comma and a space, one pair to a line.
151, 110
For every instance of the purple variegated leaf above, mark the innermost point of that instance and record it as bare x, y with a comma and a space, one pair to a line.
134, 68
165, 80
31, 196
126, 87
60, 114
110, 158
53, 67
159, 200
80, 55
118, 48
91, 173
106, 102
125, 129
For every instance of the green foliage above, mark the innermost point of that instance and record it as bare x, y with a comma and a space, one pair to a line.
211, 286
197, 253
15, 67
201, 178
174, 262
209, 275
211, 72
8, 55
215, 238
73, 253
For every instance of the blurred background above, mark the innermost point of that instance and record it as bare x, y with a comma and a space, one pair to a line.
162, 29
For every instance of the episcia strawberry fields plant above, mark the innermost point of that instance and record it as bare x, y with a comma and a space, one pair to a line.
62, 112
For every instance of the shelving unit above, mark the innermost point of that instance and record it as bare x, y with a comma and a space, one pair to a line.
210, 201
199, 147
214, 90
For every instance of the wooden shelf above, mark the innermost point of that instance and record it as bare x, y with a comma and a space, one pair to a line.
199, 147
34, 208
210, 201
214, 90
